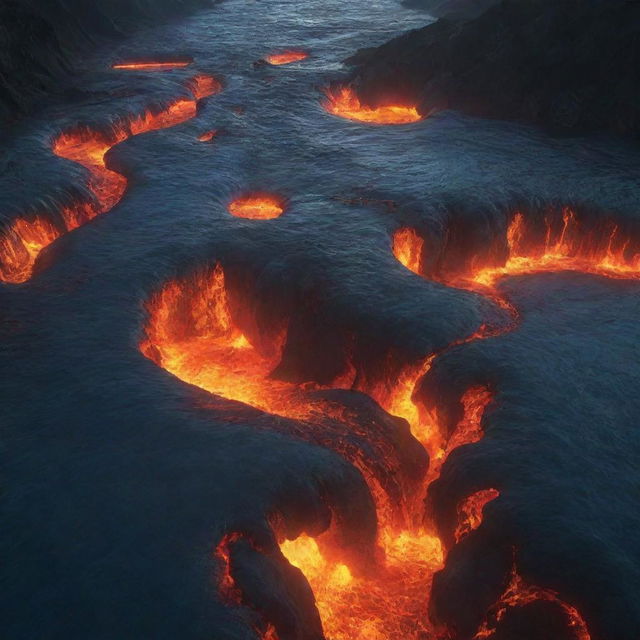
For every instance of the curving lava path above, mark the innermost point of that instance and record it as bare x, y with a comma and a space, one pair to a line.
23, 241
261, 468
193, 334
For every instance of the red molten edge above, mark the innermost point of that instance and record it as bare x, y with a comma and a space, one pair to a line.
257, 206
208, 136
286, 57
141, 65
22, 242
344, 102
192, 333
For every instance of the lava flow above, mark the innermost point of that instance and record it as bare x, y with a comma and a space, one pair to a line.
151, 66
257, 206
344, 102
564, 248
208, 136
286, 57
192, 333
520, 594
22, 242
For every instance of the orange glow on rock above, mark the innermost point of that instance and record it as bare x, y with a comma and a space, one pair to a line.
22, 242
519, 594
407, 248
257, 206
565, 248
393, 604
207, 136
344, 102
151, 66
203, 86
470, 512
286, 57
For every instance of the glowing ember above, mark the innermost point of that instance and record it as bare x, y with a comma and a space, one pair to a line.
407, 248
470, 512
520, 594
151, 66
257, 206
25, 239
565, 248
393, 605
216, 356
203, 86
286, 57
345, 103
207, 136
191, 332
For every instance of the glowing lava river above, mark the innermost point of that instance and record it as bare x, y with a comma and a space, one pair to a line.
21, 244
334, 367
192, 333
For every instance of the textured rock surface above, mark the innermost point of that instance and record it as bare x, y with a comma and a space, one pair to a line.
571, 66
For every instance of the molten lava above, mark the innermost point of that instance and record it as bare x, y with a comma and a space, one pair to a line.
391, 605
519, 594
22, 242
208, 136
470, 512
213, 353
192, 333
151, 66
407, 248
286, 57
257, 206
344, 102
565, 248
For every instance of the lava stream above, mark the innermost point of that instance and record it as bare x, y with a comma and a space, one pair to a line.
286, 57
519, 594
151, 66
209, 350
344, 102
257, 206
23, 241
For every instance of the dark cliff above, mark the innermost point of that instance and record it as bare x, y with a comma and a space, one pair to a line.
571, 66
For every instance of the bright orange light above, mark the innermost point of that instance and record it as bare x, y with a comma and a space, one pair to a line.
565, 248
391, 605
257, 206
207, 136
203, 86
286, 57
470, 512
407, 248
520, 594
151, 66
191, 334
345, 103
21, 243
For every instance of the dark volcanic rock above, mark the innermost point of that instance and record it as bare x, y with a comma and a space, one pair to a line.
39, 39
572, 66
459, 8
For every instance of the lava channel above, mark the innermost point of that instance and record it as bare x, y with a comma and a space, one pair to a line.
208, 136
152, 65
22, 242
286, 57
344, 102
210, 351
192, 333
257, 206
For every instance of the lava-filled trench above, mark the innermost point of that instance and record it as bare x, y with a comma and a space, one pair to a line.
22, 242
203, 330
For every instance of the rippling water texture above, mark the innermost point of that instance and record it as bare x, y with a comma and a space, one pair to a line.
119, 479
